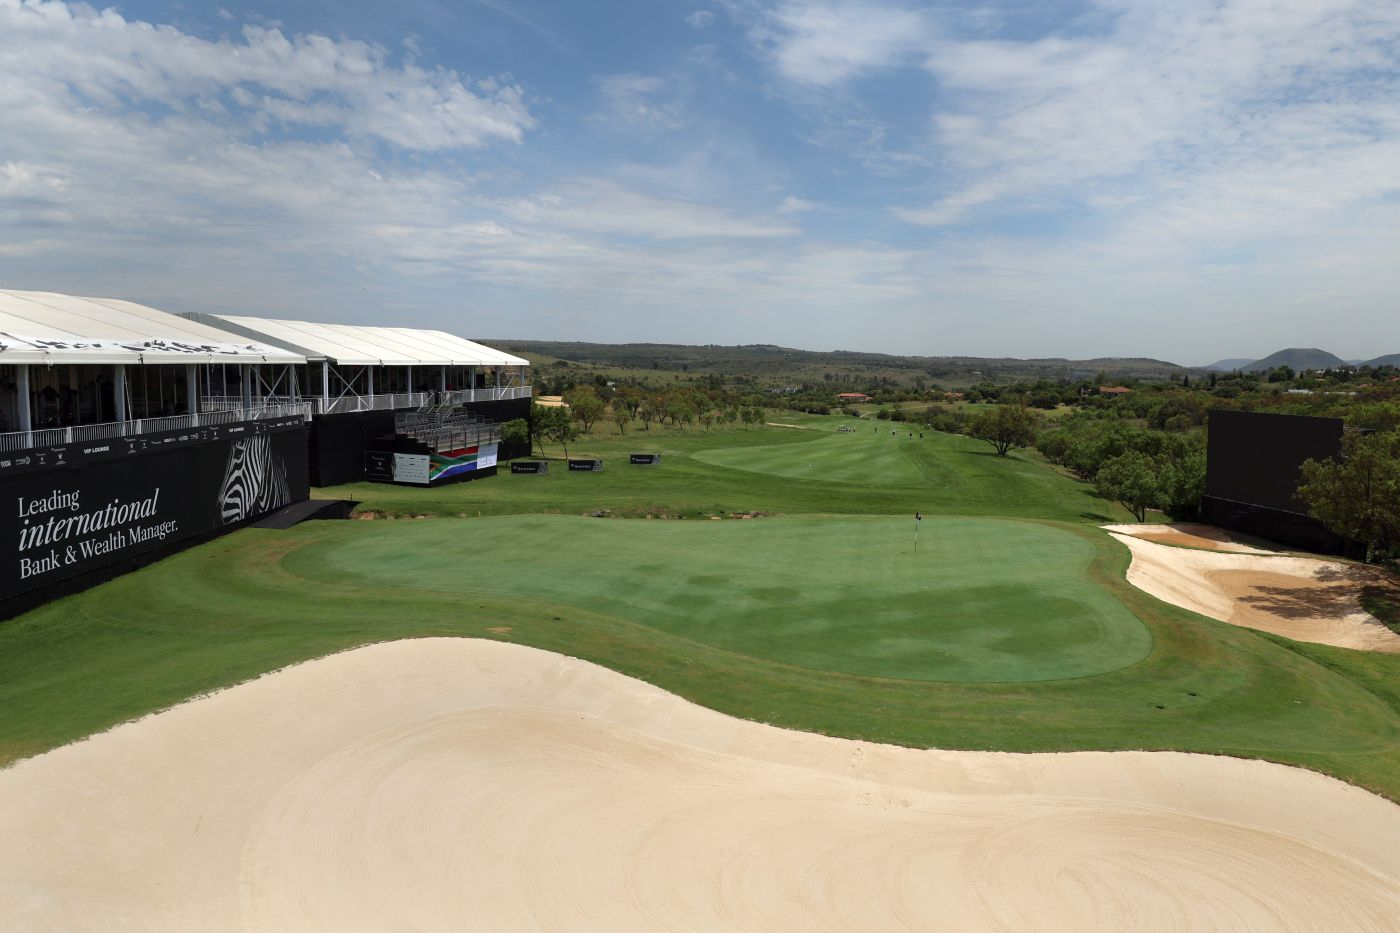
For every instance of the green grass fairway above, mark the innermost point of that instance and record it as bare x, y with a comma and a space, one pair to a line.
863, 457
782, 470
983, 600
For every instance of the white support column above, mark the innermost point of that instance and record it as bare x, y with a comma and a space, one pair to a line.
325, 379
442, 378
22, 404
245, 385
369, 376
191, 389
119, 390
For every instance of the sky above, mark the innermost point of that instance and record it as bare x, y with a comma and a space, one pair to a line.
1176, 179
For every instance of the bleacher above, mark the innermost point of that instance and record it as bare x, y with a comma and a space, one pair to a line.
445, 428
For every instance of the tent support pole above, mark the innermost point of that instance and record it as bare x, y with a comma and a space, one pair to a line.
119, 390
24, 406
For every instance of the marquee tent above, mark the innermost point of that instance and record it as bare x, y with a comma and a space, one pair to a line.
49, 328
355, 345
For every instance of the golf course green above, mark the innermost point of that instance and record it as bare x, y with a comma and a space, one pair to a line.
981, 600
1012, 627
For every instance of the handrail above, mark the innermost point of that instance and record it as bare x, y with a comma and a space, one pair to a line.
84, 433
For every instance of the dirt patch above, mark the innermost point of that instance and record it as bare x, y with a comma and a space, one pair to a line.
1302, 598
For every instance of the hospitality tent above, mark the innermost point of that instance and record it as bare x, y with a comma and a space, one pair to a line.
68, 360
397, 363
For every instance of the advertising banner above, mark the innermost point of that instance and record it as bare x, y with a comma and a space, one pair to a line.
67, 520
415, 469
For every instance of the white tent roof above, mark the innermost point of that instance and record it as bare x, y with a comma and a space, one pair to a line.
44, 327
353, 345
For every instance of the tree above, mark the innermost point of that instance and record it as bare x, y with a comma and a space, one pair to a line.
1182, 482
1004, 427
620, 417
516, 433
630, 398
653, 408
680, 410
1358, 496
555, 424
585, 406
1130, 479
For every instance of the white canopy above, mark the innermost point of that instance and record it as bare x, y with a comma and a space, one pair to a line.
44, 327
354, 345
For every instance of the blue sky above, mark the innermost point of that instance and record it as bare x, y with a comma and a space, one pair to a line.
1171, 178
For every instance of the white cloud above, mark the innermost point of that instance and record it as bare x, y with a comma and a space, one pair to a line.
76, 55
823, 43
602, 207
794, 205
633, 100
1177, 97
700, 19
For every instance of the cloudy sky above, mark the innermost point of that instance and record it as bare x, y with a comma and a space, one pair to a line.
1172, 178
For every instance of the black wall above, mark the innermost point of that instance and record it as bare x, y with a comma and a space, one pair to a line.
339, 442
72, 525
1253, 461
501, 412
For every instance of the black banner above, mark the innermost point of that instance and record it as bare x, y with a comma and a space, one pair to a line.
68, 520
1255, 457
530, 466
646, 458
592, 466
379, 466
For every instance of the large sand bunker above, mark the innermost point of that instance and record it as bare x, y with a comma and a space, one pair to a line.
452, 784
1302, 598
1190, 534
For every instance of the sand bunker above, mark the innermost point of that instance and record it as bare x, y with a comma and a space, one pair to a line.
454, 784
1188, 534
1302, 598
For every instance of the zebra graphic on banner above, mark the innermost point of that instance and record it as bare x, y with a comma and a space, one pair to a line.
255, 480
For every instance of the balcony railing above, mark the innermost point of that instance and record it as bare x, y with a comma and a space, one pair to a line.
84, 433
227, 409
405, 400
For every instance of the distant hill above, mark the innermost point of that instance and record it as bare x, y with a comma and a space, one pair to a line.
1391, 360
1297, 359
1229, 366
773, 365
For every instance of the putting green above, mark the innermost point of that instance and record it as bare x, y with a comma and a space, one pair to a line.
982, 600
864, 457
